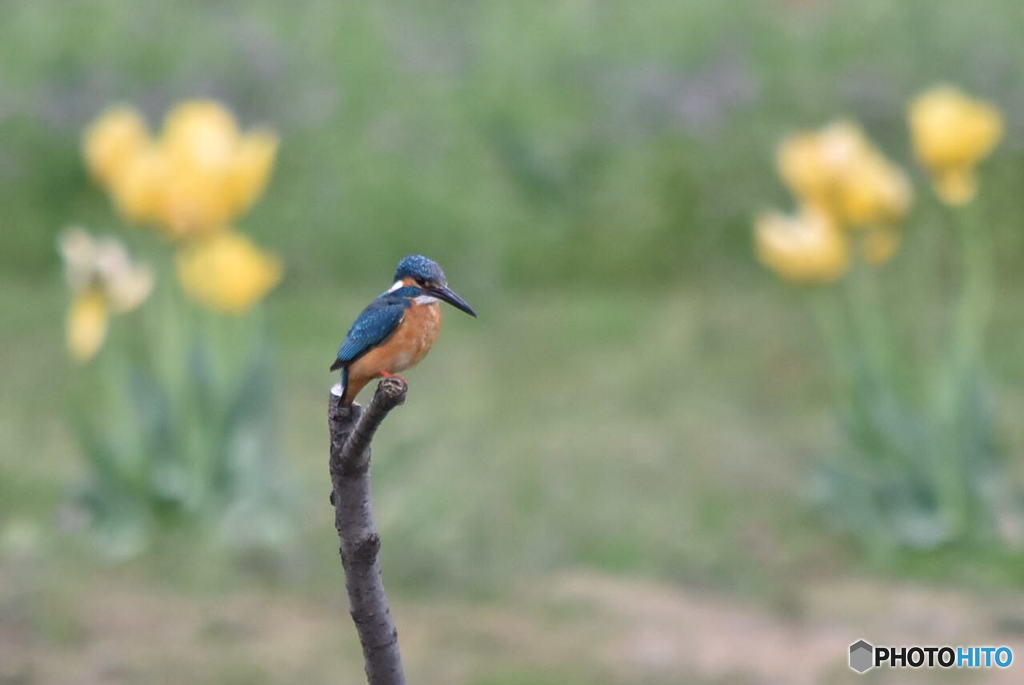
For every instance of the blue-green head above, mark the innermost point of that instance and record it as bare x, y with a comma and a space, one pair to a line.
428, 275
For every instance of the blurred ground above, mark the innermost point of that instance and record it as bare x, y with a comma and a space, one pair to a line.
572, 628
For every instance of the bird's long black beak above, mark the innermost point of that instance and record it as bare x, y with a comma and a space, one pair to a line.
443, 292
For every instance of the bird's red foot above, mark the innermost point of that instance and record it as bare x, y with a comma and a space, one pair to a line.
388, 374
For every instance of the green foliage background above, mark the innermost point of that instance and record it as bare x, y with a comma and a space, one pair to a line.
518, 142
638, 397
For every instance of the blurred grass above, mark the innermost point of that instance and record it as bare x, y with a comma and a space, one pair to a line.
538, 446
661, 435
664, 436
528, 422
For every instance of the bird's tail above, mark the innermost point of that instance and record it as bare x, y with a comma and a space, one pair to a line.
338, 389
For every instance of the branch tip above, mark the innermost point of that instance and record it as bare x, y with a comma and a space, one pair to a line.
392, 390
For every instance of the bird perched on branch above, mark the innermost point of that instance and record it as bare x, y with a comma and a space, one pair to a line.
398, 328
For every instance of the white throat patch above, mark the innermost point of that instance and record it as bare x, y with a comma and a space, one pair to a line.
425, 299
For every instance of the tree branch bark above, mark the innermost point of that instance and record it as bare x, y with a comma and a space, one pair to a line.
352, 429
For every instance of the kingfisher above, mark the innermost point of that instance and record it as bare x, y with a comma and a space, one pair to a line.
398, 328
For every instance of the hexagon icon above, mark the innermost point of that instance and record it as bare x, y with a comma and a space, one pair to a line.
862, 656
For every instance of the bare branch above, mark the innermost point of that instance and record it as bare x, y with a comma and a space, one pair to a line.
352, 429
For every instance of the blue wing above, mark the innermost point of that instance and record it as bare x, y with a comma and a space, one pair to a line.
373, 326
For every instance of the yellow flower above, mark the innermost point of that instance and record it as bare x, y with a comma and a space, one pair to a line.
250, 168
879, 245
199, 176
838, 171
952, 133
812, 163
200, 134
139, 194
103, 279
804, 248
215, 173
87, 324
112, 142
227, 272
873, 192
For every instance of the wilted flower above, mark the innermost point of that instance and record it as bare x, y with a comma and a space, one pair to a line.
807, 247
227, 272
194, 180
952, 133
838, 171
103, 280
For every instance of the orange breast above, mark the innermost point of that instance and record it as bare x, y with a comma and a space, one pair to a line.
405, 347
414, 337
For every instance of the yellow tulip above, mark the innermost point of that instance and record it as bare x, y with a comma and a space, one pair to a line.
804, 248
139, 192
952, 133
200, 134
838, 171
215, 173
87, 324
873, 191
112, 142
194, 203
103, 279
227, 272
195, 180
250, 169
812, 164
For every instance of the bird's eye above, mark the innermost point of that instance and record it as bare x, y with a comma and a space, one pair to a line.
421, 282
